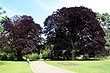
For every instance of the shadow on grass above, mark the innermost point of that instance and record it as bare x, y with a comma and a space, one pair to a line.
18, 60
57, 60
77, 60
2, 63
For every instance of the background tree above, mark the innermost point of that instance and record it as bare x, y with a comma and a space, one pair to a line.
75, 29
107, 37
22, 34
103, 19
2, 18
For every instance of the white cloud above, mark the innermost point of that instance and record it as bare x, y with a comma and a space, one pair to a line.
100, 6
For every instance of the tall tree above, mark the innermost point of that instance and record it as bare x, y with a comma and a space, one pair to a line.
23, 35
76, 29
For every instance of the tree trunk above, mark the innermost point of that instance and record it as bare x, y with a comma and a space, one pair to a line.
73, 51
51, 55
19, 56
73, 55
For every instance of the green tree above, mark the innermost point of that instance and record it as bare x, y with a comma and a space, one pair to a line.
2, 12
1, 29
98, 16
105, 14
102, 18
2, 18
107, 37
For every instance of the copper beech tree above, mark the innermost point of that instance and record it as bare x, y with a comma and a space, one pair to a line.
77, 30
22, 35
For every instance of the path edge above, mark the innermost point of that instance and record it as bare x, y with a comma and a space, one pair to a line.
31, 67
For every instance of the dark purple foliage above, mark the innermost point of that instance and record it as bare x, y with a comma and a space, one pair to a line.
22, 33
75, 28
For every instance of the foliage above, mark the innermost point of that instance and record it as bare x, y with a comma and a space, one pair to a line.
105, 14
75, 29
45, 51
2, 12
42, 55
2, 19
107, 37
11, 57
15, 66
102, 18
22, 35
33, 56
3, 57
1, 29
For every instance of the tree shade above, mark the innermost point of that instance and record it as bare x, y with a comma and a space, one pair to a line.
75, 29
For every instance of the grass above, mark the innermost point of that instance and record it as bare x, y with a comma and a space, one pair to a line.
15, 67
101, 66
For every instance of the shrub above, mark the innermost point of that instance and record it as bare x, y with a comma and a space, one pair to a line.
45, 53
11, 57
3, 57
40, 56
32, 56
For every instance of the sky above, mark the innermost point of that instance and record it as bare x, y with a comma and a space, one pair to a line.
41, 9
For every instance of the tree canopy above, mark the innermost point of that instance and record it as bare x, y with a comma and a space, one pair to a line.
2, 12
22, 34
75, 29
103, 19
2, 18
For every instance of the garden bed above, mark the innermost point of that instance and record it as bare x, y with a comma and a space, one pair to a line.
67, 64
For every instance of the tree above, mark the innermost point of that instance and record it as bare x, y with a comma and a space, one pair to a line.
105, 14
107, 37
2, 12
3, 18
103, 19
22, 34
75, 29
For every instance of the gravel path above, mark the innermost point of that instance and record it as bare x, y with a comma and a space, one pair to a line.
41, 67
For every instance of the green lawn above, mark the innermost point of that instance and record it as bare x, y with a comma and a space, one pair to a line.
101, 66
14, 67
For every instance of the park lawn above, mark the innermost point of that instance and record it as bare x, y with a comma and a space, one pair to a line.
101, 66
15, 67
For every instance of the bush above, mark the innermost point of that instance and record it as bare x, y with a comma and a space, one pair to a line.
3, 57
11, 57
45, 53
40, 56
33, 56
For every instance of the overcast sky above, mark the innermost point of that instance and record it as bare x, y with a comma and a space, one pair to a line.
40, 9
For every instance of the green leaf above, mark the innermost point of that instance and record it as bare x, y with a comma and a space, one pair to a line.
8, 42
4, 11
1, 29
1, 7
